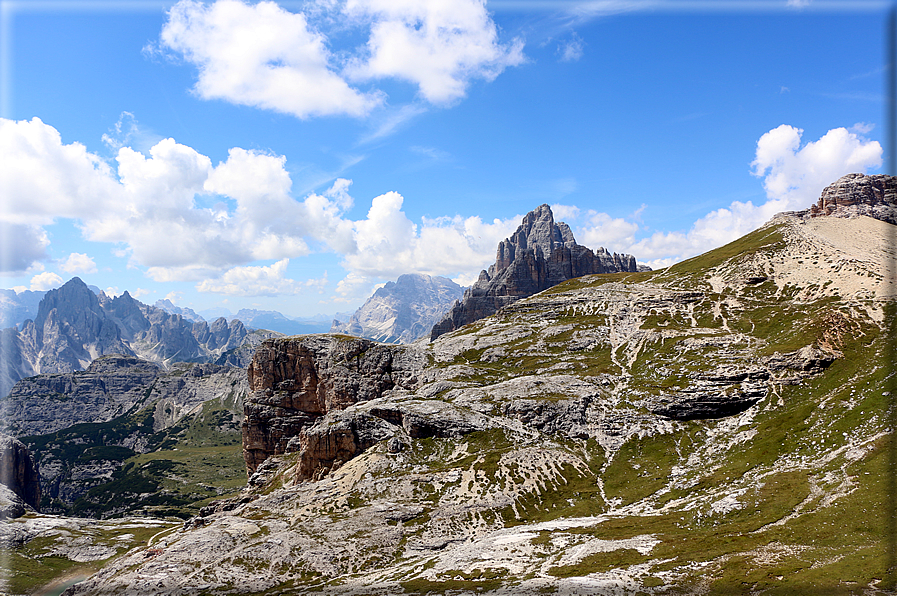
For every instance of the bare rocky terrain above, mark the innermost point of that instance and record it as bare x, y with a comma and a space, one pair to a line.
714, 427
717, 427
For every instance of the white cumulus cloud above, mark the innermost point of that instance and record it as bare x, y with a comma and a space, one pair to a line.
43, 179
154, 205
795, 175
267, 280
438, 45
262, 56
390, 244
609, 232
78, 263
45, 281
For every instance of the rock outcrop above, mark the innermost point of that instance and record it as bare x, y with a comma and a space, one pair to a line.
296, 381
853, 195
19, 474
402, 311
539, 255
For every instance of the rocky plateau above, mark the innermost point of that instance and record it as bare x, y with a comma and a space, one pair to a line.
719, 426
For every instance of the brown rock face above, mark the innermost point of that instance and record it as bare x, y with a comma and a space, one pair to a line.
858, 194
539, 255
296, 381
18, 471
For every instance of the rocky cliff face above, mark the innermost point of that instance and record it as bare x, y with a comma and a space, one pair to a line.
402, 311
296, 381
74, 326
19, 476
539, 255
857, 194
109, 387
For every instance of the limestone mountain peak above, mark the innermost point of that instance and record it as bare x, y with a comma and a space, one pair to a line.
402, 311
537, 232
540, 254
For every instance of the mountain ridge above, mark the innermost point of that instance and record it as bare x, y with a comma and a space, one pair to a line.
74, 326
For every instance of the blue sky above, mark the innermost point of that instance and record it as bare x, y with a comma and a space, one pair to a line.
292, 156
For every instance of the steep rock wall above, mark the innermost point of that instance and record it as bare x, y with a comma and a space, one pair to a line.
18, 473
296, 381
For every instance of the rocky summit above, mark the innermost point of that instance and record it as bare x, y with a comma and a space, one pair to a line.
402, 311
857, 194
717, 427
539, 255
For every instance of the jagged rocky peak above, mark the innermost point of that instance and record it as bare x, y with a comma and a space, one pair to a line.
71, 327
402, 311
539, 232
540, 254
853, 195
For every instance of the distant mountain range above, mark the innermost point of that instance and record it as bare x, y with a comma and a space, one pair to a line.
74, 325
16, 308
256, 319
